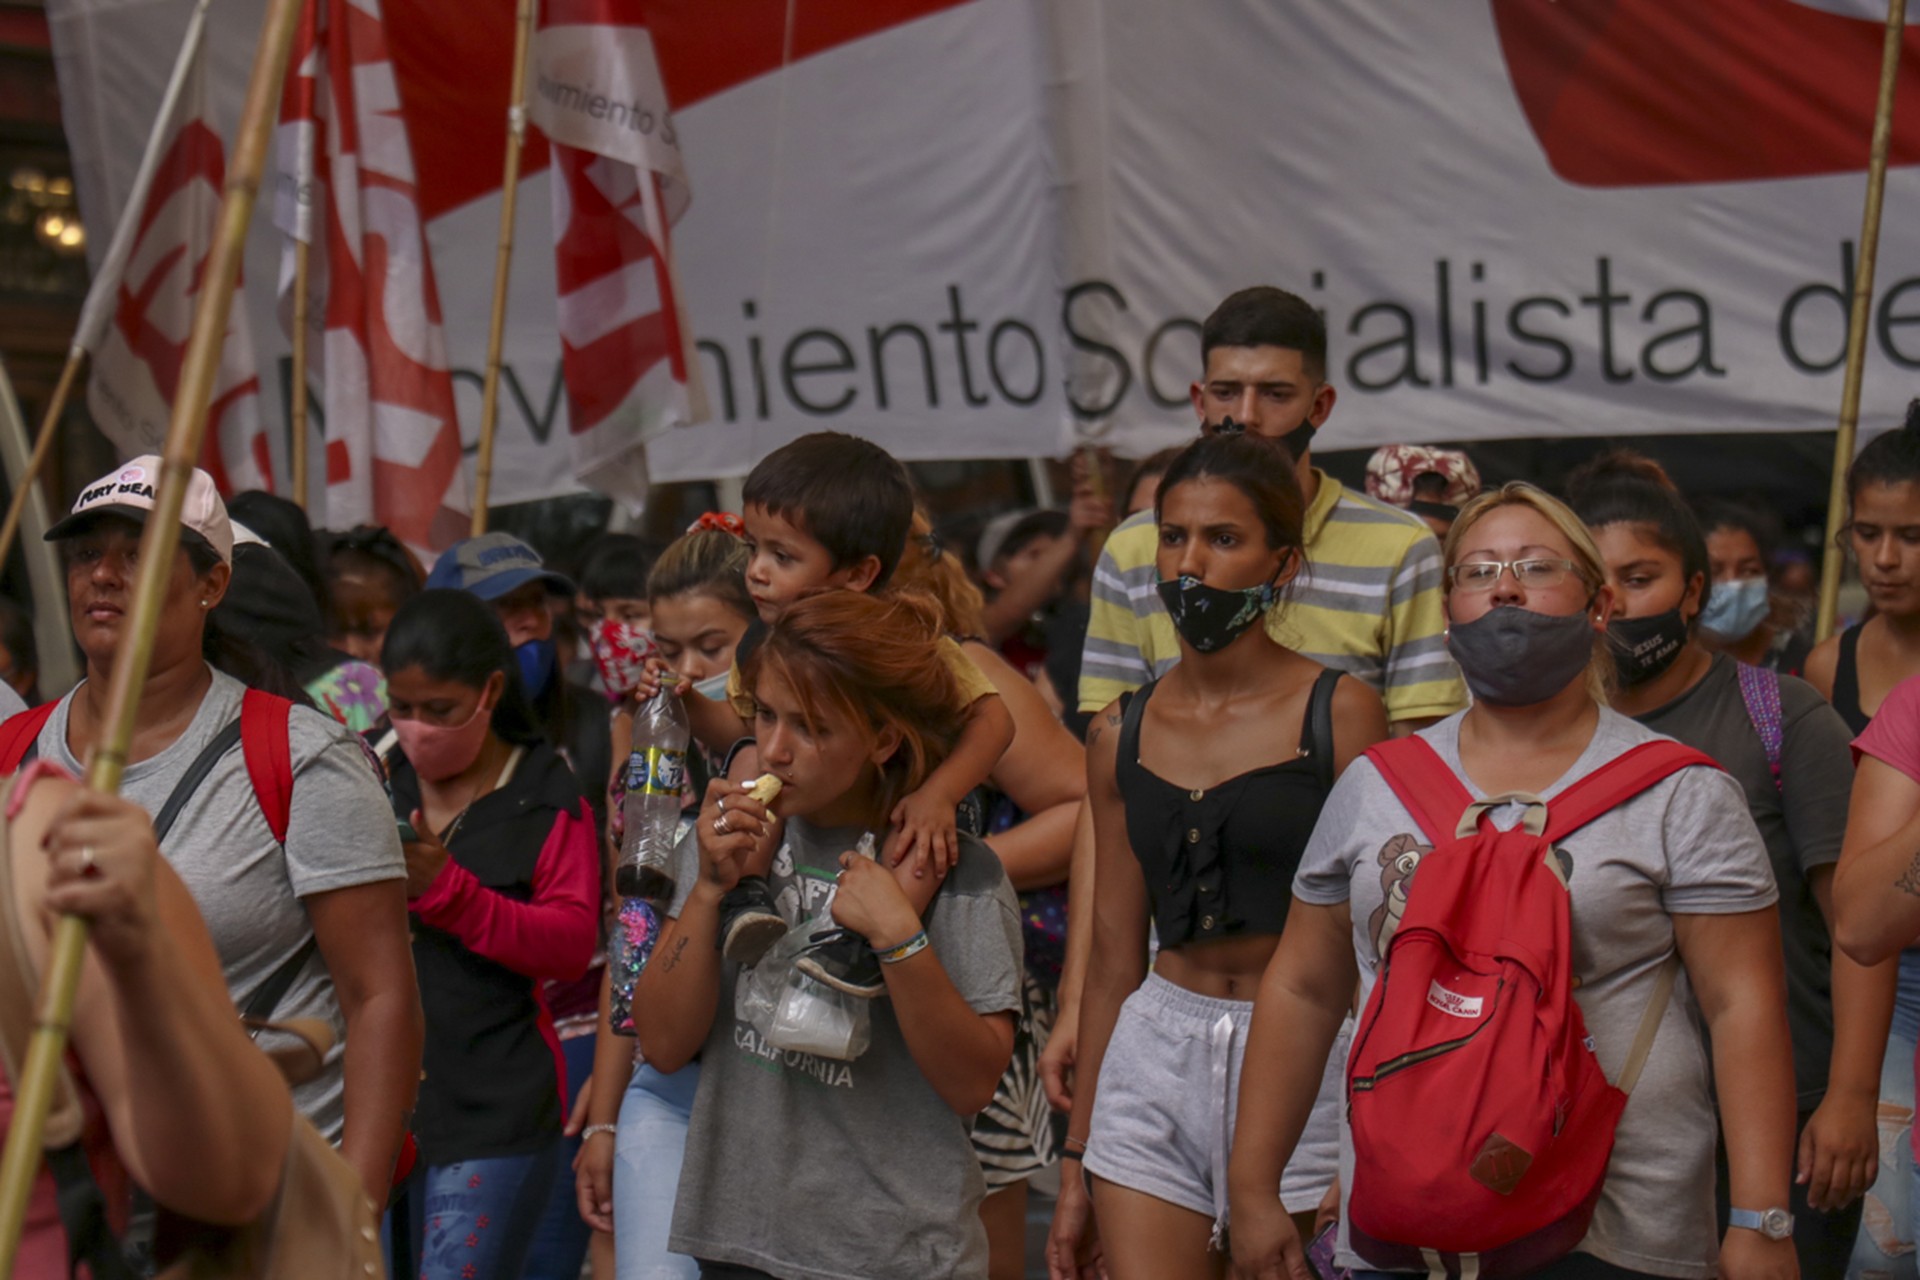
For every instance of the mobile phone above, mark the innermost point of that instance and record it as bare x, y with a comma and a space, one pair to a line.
1320, 1254
407, 834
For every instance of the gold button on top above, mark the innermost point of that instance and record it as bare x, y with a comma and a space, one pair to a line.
1193, 836
1195, 794
1206, 922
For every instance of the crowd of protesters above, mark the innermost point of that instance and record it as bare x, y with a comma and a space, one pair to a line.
1256, 855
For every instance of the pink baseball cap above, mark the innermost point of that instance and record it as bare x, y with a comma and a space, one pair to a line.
128, 492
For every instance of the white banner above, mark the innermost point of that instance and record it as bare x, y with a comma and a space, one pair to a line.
919, 219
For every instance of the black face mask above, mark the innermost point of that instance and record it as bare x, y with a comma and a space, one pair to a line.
1295, 442
1645, 647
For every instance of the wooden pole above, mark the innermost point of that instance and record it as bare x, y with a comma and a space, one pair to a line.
297, 411
42, 448
503, 260
33, 1091
1831, 560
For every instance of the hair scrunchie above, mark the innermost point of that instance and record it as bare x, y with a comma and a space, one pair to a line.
719, 522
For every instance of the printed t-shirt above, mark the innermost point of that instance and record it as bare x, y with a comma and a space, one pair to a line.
815, 1169
1802, 820
1368, 602
1686, 846
974, 684
340, 833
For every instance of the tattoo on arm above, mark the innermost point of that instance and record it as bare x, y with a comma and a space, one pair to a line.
1909, 881
673, 957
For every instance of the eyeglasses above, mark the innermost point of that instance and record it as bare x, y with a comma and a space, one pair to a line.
1532, 575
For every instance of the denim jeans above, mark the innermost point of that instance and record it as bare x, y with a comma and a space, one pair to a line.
475, 1219
1884, 1249
646, 1173
560, 1240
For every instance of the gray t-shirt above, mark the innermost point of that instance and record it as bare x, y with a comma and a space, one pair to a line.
812, 1169
1686, 846
1803, 819
340, 833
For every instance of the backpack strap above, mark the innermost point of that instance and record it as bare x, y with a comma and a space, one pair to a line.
1618, 781
1423, 783
1316, 729
265, 724
19, 734
1649, 1024
1760, 690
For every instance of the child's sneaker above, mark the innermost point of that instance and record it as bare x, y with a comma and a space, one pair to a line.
842, 960
750, 921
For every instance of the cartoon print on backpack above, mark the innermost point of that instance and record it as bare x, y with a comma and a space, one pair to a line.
1399, 858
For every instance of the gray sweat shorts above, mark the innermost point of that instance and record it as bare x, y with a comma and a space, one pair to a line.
1169, 1086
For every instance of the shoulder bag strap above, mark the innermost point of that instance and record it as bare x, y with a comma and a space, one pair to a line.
1760, 690
223, 742
1316, 731
1618, 781
1649, 1024
1133, 709
1423, 783
19, 736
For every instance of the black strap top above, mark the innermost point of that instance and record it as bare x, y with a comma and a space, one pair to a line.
1846, 681
1219, 861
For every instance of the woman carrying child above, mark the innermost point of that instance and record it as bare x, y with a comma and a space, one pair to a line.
796, 1164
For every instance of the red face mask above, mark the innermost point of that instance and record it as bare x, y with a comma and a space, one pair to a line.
440, 751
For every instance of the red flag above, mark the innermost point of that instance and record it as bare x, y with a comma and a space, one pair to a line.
347, 186
140, 307
618, 183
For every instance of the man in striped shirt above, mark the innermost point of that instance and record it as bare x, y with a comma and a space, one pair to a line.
1369, 601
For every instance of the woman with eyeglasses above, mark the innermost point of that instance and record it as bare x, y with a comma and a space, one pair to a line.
1679, 870
1788, 751
1204, 785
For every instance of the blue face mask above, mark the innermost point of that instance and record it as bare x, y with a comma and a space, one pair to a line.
537, 659
1735, 610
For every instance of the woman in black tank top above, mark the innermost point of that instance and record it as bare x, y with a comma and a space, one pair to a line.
1857, 668
1204, 788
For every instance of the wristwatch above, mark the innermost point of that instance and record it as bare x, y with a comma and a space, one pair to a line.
1774, 1224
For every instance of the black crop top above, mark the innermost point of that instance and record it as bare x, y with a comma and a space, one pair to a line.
1219, 862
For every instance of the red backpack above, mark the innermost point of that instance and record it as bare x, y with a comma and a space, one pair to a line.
1482, 1122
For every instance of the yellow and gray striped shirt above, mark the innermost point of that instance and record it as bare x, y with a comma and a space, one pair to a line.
1369, 602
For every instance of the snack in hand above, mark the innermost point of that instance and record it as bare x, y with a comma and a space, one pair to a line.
765, 788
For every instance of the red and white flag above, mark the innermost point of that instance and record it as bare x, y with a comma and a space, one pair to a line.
139, 309
347, 187
618, 185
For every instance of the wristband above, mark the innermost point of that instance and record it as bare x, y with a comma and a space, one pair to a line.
594, 1129
1075, 1147
911, 947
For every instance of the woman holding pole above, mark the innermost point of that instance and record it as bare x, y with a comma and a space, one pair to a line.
310, 925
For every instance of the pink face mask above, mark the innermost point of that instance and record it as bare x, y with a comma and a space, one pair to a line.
440, 751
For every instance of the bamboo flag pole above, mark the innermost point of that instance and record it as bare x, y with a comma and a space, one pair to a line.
33, 1091
503, 260
297, 411
1830, 557
104, 291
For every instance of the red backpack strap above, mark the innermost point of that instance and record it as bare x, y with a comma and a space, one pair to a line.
269, 754
1618, 781
1424, 784
18, 732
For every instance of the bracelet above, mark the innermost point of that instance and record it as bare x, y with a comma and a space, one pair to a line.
1075, 1147
593, 1129
911, 947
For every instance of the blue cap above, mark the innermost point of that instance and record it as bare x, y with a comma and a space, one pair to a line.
492, 565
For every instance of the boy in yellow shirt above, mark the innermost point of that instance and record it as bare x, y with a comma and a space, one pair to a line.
828, 512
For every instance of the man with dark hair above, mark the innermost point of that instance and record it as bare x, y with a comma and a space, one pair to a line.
1369, 600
